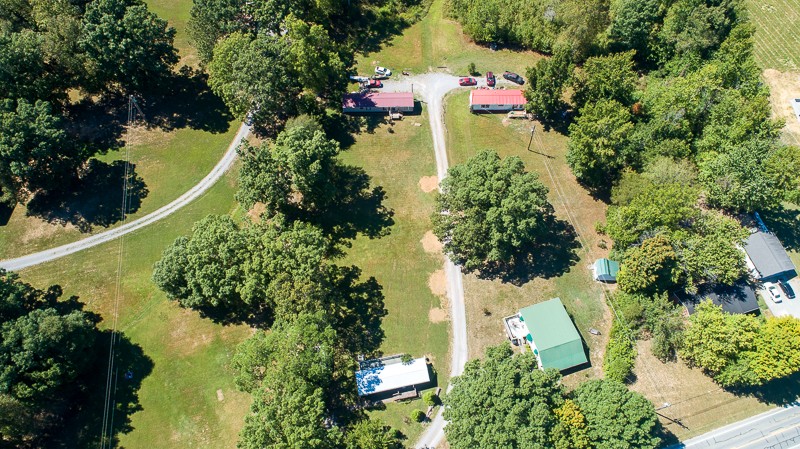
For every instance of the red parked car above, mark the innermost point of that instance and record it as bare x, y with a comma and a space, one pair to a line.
467, 81
490, 79
373, 84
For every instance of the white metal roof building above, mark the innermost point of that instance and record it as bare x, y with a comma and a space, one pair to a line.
390, 374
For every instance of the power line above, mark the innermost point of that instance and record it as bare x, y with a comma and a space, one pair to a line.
579, 230
109, 403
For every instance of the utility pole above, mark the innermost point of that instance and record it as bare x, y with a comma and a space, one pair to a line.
533, 129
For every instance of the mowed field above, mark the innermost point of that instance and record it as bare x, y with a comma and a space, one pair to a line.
188, 399
407, 262
437, 43
777, 38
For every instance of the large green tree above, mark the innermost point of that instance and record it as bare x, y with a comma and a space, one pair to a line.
490, 211
599, 143
36, 154
605, 78
503, 401
47, 344
222, 269
737, 179
546, 82
649, 267
617, 418
126, 45
250, 75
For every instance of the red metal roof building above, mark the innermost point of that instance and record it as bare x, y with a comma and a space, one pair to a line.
378, 102
501, 100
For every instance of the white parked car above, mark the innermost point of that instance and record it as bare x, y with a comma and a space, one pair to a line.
774, 293
359, 79
383, 71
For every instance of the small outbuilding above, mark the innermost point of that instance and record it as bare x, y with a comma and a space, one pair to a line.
496, 100
605, 270
378, 102
552, 336
736, 299
392, 376
767, 258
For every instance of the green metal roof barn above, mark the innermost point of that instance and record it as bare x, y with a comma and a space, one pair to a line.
555, 340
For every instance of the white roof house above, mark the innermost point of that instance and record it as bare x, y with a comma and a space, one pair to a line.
390, 374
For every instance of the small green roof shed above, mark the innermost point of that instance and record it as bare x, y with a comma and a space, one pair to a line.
605, 270
551, 331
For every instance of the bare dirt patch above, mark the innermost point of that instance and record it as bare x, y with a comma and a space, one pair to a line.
428, 183
431, 244
256, 211
784, 87
437, 282
437, 315
220, 396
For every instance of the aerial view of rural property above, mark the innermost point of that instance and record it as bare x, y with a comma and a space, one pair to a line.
399, 224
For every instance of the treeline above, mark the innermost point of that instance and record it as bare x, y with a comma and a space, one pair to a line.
672, 125
505, 400
659, 31
49, 48
278, 273
276, 60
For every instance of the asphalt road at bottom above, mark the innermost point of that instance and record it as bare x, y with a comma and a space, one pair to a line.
775, 429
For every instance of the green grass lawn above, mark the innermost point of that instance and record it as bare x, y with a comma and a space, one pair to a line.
170, 163
777, 38
436, 42
189, 399
488, 301
397, 157
177, 13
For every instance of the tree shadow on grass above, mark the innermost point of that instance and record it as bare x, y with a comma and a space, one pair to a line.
184, 101
83, 427
780, 392
551, 258
5, 212
94, 199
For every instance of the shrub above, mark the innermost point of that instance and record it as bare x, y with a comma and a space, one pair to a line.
430, 398
472, 69
417, 415
620, 355
406, 358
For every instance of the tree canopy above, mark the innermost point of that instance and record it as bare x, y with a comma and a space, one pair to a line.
504, 400
491, 211
46, 345
741, 350
616, 418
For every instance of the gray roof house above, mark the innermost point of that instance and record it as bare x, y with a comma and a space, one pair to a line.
767, 258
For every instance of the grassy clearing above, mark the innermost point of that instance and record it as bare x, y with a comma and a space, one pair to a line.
777, 33
468, 133
180, 403
398, 157
170, 164
436, 42
177, 13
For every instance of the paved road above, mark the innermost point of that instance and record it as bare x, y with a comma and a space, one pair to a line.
432, 87
54, 253
775, 429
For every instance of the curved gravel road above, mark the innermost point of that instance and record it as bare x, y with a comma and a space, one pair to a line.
54, 253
